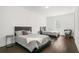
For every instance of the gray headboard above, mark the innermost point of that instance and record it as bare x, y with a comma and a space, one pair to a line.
18, 28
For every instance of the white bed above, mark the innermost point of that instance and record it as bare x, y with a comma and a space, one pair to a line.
32, 41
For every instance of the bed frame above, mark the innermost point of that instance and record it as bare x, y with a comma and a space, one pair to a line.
18, 28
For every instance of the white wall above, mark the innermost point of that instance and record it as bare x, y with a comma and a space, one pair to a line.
77, 27
1, 22
17, 16
61, 22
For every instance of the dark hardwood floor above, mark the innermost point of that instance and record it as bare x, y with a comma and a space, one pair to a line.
13, 49
61, 45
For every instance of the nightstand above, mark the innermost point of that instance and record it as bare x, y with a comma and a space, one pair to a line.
11, 37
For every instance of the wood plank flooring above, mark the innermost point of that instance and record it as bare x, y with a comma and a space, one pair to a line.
61, 45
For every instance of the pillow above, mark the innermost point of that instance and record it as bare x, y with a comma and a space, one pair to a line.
26, 32
19, 33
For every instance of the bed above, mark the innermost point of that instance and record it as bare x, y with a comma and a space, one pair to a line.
52, 34
32, 42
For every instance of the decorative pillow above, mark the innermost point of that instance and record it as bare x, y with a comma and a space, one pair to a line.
26, 32
19, 33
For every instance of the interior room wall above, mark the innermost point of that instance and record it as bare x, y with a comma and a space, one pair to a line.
1, 22
77, 27
17, 16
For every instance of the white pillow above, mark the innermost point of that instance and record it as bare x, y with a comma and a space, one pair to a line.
29, 32
26, 32
19, 33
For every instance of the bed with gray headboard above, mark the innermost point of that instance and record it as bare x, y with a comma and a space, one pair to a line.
18, 28
30, 41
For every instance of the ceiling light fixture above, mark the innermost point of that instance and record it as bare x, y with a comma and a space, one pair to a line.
46, 7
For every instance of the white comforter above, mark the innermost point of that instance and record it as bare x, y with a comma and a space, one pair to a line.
31, 41
34, 37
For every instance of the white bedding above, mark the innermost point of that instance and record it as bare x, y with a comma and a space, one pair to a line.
30, 41
34, 37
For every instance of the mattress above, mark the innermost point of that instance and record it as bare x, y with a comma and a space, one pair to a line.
32, 41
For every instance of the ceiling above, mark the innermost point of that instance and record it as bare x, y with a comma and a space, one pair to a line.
51, 10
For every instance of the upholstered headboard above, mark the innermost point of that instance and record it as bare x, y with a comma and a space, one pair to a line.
18, 28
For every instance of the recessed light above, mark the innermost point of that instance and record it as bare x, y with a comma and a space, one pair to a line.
46, 7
